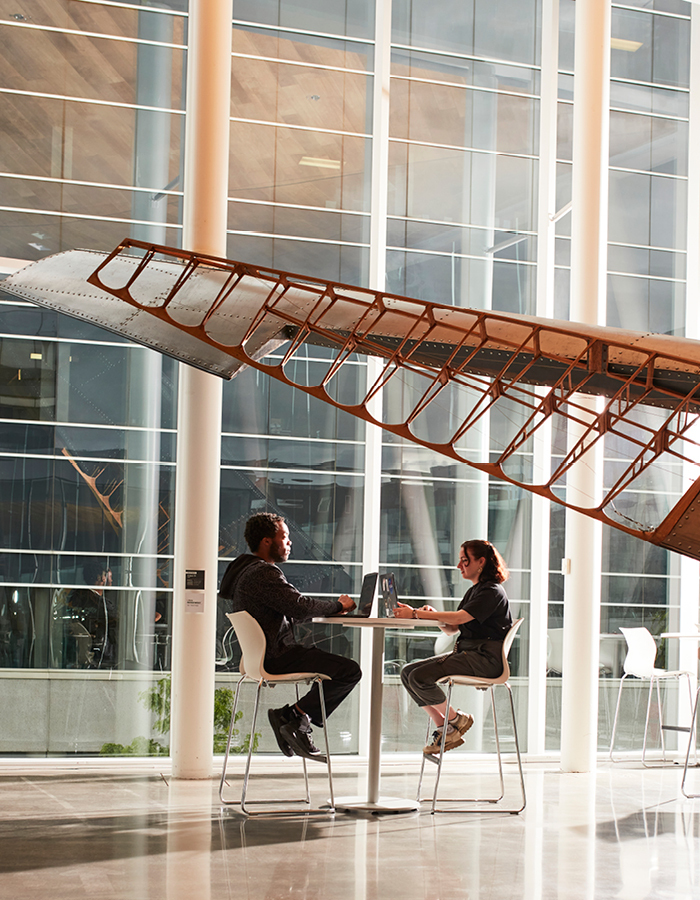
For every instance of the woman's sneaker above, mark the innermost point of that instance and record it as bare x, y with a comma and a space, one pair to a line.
462, 722
452, 740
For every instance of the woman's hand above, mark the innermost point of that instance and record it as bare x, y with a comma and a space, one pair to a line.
403, 611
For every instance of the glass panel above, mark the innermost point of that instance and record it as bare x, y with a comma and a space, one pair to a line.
81, 506
256, 404
32, 440
461, 71
324, 456
679, 7
644, 305
314, 49
463, 118
504, 29
514, 288
81, 141
441, 279
454, 185
311, 223
649, 99
299, 167
105, 18
651, 48
314, 97
647, 210
347, 265
326, 512
354, 18
565, 130
638, 142
32, 236
459, 240
567, 16
103, 203
92, 68
638, 261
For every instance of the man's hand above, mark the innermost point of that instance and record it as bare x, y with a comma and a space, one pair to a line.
347, 603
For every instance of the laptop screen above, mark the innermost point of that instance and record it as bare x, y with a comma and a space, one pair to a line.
365, 605
387, 585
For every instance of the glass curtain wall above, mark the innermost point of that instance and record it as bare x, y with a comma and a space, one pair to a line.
92, 110
90, 151
647, 251
461, 230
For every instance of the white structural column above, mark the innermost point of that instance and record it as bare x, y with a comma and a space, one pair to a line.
688, 569
579, 720
542, 450
372, 639
199, 403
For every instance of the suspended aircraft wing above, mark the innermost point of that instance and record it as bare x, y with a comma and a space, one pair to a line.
445, 370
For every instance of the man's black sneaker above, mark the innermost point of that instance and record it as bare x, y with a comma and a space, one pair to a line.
278, 718
297, 733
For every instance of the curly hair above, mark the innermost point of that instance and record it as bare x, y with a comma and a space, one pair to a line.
495, 568
260, 526
93, 570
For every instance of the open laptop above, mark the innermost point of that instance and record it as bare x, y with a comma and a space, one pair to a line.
387, 586
366, 605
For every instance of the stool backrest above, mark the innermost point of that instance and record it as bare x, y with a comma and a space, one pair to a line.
507, 644
641, 652
251, 639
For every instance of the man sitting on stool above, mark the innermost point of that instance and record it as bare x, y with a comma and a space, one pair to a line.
254, 583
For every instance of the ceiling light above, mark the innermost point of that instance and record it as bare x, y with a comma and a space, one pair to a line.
319, 163
622, 44
35, 356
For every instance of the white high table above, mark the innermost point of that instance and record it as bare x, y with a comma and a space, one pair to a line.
374, 802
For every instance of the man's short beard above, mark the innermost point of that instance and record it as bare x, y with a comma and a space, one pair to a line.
276, 556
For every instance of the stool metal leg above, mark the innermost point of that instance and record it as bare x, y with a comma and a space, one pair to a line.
244, 789
331, 809
245, 804
662, 727
442, 746
691, 740
498, 747
617, 713
490, 800
228, 744
422, 764
652, 682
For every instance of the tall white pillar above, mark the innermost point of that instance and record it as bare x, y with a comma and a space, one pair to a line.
199, 404
371, 730
542, 450
579, 720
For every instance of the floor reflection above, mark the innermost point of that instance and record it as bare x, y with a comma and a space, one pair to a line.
622, 833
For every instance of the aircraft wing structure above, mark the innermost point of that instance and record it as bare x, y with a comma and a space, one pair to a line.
475, 386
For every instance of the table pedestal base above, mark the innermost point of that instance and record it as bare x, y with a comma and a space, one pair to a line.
382, 805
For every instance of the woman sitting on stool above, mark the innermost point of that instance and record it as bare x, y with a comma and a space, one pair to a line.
482, 620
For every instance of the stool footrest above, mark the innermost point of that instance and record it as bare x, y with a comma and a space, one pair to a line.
684, 728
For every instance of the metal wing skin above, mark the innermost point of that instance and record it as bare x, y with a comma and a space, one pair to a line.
475, 386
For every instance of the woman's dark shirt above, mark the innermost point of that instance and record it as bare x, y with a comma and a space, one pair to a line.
488, 603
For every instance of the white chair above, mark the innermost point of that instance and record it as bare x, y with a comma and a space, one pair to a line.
481, 684
639, 663
251, 640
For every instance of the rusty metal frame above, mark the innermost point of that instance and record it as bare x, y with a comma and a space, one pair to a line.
541, 366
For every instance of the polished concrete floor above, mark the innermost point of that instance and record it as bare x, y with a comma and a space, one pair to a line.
624, 832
